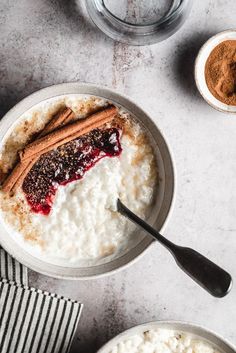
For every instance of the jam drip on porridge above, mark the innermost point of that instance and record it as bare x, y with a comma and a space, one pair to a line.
66, 164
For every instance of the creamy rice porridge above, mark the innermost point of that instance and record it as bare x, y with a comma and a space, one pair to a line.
78, 220
163, 341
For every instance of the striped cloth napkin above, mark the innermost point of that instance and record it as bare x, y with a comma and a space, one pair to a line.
32, 320
11, 269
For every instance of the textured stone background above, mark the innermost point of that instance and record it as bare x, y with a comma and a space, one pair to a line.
45, 42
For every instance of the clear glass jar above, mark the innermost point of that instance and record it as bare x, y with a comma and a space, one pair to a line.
138, 22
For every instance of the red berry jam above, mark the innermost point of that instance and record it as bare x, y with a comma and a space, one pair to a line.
66, 164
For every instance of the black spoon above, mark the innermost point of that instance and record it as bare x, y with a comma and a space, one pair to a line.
206, 273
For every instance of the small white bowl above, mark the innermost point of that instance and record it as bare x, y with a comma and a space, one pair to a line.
196, 331
199, 70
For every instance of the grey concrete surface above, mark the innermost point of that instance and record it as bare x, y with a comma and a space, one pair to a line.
44, 42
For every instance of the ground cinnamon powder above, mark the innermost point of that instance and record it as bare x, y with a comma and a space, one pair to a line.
220, 72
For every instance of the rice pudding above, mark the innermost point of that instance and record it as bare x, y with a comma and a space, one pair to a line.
66, 206
163, 341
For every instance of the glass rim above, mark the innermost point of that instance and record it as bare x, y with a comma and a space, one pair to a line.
151, 25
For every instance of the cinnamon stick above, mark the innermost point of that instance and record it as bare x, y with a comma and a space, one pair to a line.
54, 139
22, 168
13, 177
25, 170
68, 133
61, 118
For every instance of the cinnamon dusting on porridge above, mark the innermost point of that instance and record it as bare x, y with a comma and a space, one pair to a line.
79, 220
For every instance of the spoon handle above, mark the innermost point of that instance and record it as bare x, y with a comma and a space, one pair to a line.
206, 273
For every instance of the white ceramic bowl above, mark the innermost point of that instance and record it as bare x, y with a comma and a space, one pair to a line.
197, 331
163, 200
199, 70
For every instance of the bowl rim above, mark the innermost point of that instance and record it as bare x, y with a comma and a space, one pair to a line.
66, 89
196, 66
176, 325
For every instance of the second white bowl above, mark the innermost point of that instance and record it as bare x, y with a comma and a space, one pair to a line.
196, 331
